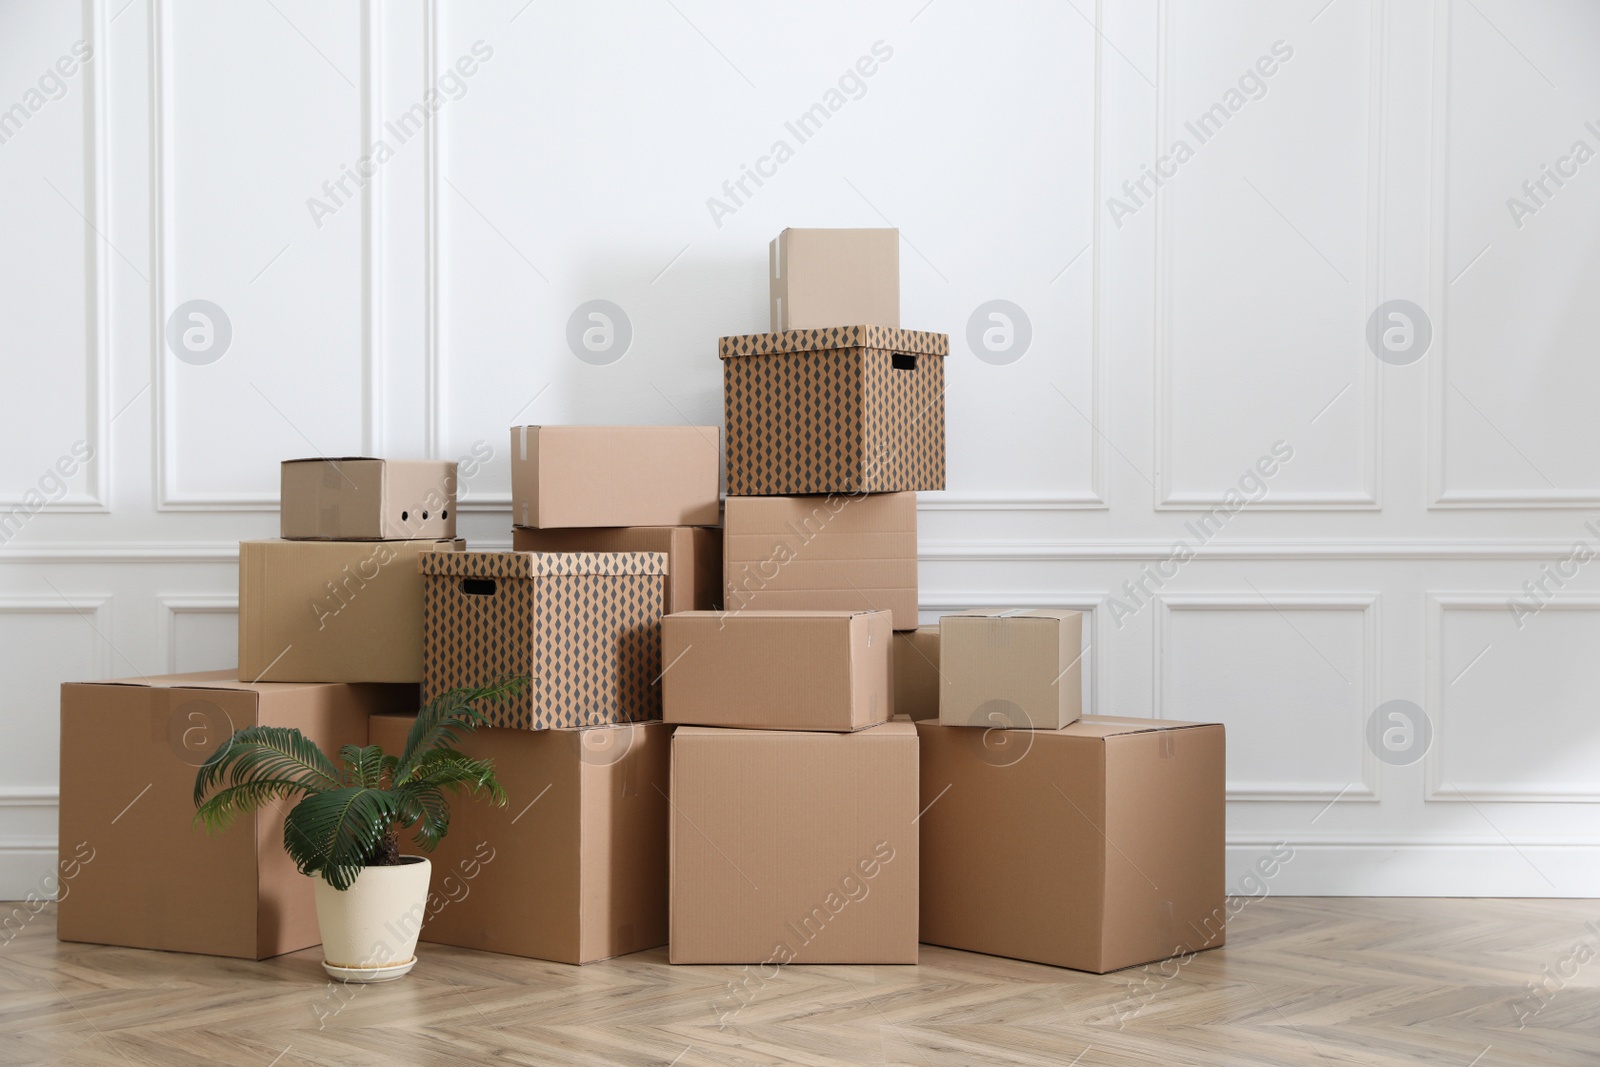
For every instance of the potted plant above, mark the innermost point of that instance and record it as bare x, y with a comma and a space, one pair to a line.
344, 831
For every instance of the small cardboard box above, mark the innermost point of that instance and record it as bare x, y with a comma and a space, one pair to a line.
146, 876
574, 867
794, 847
822, 553
776, 670
332, 611
914, 657
585, 627
581, 476
849, 409
824, 277
356, 498
1011, 668
694, 555
1097, 846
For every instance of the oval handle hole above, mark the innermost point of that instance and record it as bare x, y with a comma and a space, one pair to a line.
904, 360
478, 586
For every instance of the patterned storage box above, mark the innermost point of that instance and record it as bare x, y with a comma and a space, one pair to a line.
850, 409
585, 627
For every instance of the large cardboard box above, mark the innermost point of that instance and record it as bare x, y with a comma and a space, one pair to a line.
1020, 667
585, 627
356, 498
822, 553
694, 555
332, 611
1097, 846
566, 476
824, 277
794, 847
850, 409
574, 867
777, 670
914, 658
146, 876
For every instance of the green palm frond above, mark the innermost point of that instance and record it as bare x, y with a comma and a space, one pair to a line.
226, 804
263, 753
337, 832
448, 718
365, 764
431, 813
445, 767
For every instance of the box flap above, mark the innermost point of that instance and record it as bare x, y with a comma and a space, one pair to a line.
1118, 726
227, 680
880, 338
540, 564
1054, 614
335, 459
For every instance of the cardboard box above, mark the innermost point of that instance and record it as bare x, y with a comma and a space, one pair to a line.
566, 476
694, 555
574, 867
914, 658
822, 553
145, 876
332, 611
1097, 846
850, 409
355, 498
794, 847
824, 277
777, 670
1021, 667
585, 627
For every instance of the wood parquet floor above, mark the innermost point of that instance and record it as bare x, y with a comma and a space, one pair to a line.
1302, 981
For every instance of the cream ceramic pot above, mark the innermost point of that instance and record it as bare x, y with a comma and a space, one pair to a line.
369, 931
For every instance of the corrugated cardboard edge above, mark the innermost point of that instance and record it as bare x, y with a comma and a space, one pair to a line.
874, 338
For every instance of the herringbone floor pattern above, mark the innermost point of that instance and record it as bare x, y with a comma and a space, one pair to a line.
1376, 983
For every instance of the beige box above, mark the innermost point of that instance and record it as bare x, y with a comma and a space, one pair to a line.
332, 611
794, 847
776, 670
915, 660
694, 555
1020, 667
585, 627
143, 875
567, 476
574, 867
847, 409
839, 552
356, 498
825, 277
1097, 846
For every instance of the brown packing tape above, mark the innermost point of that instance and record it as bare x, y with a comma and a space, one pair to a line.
331, 476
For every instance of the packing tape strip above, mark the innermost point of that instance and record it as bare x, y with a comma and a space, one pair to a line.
1169, 743
332, 476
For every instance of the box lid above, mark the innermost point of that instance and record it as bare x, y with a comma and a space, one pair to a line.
885, 731
224, 680
540, 564
1053, 614
882, 338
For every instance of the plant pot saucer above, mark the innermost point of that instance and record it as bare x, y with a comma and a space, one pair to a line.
369, 974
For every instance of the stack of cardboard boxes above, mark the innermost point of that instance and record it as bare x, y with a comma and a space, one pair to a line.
736, 742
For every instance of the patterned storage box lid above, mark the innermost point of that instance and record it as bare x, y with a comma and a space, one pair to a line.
540, 564
881, 338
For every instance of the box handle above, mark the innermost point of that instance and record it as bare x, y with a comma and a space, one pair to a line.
904, 360
478, 586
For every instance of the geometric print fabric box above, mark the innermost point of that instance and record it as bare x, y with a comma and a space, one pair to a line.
585, 627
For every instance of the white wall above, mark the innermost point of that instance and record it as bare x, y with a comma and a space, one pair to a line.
1174, 343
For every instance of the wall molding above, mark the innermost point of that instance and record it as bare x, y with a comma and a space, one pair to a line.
169, 608
1367, 497
1370, 787
1435, 789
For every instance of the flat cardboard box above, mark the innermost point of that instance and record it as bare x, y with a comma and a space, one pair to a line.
1098, 846
574, 867
582, 476
357, 498
792, 847
840, 552
914, 657
332, 611
849, 409
694, 555
825, 277
585, 627
1019, 667
777, 670
146, 876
